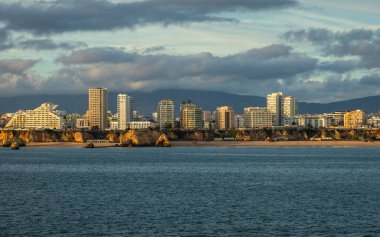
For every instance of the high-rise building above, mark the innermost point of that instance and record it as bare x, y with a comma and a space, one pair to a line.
191, 116
206, 119
44, 117
355, 119
239, 121
224, 118
165, 113
274, 105
289, 106
97, 107
124, 110
257, 117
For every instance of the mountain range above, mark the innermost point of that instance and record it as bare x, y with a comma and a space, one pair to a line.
146, 102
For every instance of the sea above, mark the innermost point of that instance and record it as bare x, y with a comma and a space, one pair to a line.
190, 191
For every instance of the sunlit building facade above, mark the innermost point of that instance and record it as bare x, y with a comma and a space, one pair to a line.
44, 117
257, 117
355, 119
191, 116
224, 118
124, 110
274, 105
97, 107
165, 114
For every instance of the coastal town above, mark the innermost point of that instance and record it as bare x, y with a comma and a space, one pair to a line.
281, 111
278, 121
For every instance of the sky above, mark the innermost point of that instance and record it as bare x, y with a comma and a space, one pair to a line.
317, 51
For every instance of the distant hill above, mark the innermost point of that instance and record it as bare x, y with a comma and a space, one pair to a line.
146, 102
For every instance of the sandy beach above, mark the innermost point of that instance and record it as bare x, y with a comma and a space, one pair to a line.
226, 143
278, 143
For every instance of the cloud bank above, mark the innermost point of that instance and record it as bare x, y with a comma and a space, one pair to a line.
43, 17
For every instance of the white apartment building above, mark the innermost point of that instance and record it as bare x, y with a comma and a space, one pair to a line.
165, 113
314, 121
44, 117
274, 105
124, 110
257, 117
289, 106
141, 125
374, 121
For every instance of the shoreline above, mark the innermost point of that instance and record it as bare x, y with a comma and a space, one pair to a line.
275, 144
222, 144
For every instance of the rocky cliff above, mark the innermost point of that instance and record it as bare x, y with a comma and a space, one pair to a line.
150, 137
139, 138
44, 136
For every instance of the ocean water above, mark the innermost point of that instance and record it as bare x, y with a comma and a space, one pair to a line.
234, 191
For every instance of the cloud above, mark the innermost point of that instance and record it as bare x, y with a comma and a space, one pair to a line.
46, 17
339, 66
48, 44
333, 87
371, 80
4, 40
361, 43
14, 76
117, 69
154, 49
16, 66
111, 64
97, 55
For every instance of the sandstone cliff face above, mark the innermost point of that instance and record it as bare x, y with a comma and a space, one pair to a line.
113, 137
191, 135
348, 134
79, 137
149, 137
140, 138
13, 141
163, 141
5, 136
243, 136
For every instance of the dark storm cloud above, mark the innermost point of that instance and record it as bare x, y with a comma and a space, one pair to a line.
371, 80
4, 40
42, 17
361, 43
48, 44
16, 66
154, 49
97, 55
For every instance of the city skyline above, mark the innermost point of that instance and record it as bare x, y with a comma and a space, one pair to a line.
281, 111
319, 52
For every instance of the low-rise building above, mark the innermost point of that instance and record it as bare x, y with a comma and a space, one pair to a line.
257, 117
311, 120
374, 121
141, 124
355, 119
82, 123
